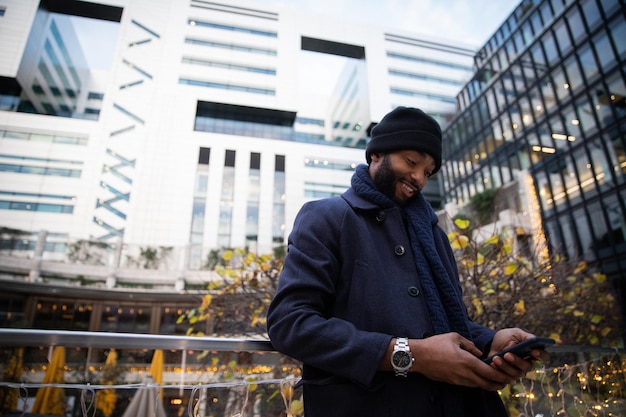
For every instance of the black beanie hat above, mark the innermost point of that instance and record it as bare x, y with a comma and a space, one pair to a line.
406, 128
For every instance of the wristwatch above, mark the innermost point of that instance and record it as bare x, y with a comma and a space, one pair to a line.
401, 357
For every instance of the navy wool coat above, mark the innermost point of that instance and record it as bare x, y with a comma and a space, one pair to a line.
348, 286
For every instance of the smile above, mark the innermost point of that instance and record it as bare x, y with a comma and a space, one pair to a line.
408, 188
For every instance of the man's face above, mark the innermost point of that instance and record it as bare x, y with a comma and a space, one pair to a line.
401, 175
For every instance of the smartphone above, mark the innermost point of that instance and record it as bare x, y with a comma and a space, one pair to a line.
524, 348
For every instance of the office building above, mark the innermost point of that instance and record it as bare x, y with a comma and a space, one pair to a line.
547, 108
211, 126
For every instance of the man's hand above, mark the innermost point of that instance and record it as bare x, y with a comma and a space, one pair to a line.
512, 365
454, 359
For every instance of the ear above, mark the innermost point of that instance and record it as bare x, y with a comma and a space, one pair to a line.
376, 156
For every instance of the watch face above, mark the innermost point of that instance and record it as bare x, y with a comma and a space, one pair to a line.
401, 359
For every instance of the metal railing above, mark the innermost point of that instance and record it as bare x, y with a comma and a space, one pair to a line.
247, 376
69, 338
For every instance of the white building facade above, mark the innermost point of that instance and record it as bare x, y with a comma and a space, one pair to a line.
210, 129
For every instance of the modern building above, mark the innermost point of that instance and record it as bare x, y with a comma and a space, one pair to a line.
213, 125
209, 128
546, 108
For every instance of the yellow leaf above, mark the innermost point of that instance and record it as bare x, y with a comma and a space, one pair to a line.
477, 305
480, 259
287, 391
460, 242
510, 269
206, 300
508, 249
503, 286
213, 285
296, 407
227, 255
582, 266
578, 313
520, 308
600, 278
556, 337
596, 319
492, 240
462, 224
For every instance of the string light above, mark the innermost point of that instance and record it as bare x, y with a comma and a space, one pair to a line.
594, 387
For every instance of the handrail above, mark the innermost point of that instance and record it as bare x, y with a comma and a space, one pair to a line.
69, 338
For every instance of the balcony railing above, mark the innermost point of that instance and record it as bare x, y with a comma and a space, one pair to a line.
214, 376
205, 376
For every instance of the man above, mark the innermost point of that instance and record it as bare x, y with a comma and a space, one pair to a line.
369, 297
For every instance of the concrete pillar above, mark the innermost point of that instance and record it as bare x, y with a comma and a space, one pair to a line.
111, 281
34, 274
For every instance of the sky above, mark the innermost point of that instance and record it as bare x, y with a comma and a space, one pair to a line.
469, 21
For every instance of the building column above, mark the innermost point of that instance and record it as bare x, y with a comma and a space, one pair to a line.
34, 274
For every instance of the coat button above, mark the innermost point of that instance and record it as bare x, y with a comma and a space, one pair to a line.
399, 250
381, 216
414, 291
433, 394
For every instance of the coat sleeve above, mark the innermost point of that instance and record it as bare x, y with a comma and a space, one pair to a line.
299, 321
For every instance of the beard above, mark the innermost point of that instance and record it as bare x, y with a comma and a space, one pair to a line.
386, 181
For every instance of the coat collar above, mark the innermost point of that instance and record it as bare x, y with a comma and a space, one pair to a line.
357, 202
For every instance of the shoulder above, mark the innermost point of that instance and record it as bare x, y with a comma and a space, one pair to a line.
320, 214
348, 201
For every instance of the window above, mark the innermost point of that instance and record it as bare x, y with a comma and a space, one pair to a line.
232, 28
278, 220
550, 49
125, 318
204, 156
618, 33
562, 38
226, 201
604, 50
62, 315
588, 62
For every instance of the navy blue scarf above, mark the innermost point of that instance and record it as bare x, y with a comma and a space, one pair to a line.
444, 300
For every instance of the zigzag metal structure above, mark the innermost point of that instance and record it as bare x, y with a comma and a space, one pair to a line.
117, 195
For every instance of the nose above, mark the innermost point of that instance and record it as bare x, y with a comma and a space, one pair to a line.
419, 177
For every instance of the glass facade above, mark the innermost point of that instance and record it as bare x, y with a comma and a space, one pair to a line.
252, 209
226, 201
196, 236
278, 215
549, 99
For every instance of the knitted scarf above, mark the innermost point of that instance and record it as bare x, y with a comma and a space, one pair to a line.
444, 301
